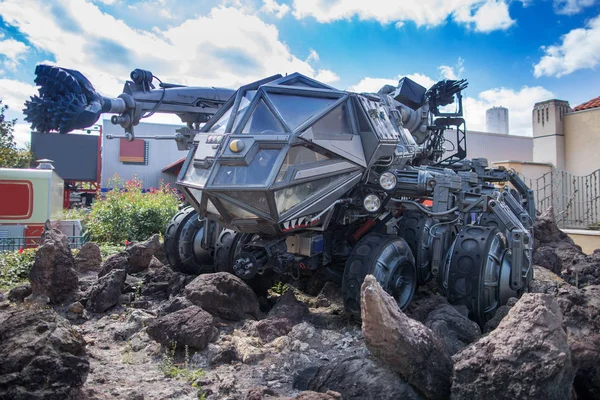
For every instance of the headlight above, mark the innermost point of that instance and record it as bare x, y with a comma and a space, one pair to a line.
388, 181
372, 203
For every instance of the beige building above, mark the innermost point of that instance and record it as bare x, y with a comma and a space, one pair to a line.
569, 139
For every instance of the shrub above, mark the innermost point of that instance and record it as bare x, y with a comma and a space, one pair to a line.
128, 214
15, 267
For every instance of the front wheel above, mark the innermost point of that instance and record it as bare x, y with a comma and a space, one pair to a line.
390, 260
183, 244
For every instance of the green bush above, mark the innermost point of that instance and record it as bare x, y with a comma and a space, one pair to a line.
127, 214
15, 267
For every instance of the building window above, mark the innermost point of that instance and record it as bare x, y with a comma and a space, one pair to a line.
538, 115
547, 114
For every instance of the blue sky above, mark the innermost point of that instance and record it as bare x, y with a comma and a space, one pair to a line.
513, 52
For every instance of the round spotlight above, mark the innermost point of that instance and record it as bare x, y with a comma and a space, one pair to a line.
388, 181
372, 203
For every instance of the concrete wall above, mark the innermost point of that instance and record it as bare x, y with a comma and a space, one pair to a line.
496, 147
160, 154
582, 141
588, 240
529, 170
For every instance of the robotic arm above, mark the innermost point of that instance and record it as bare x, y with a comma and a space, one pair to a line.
67, 101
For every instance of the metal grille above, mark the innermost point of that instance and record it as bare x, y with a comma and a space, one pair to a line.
576, 199
16, 243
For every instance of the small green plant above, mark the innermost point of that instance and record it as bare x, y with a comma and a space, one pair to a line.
185, 371
128, 214
15, 267
110, 249
280, 288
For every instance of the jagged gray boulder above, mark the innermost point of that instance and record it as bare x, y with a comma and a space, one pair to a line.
106, 291
114, 261
453, 328
18, 294
356, 378
526, 357
88, 258
140, 254
41, 355
191, 327
405, 345
224, 295
287, 312
52, 274
581, 317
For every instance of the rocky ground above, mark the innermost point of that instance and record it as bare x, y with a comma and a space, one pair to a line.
129, 327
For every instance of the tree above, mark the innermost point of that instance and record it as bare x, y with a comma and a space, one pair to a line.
11, 156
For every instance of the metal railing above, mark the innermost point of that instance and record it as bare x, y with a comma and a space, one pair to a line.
17, 243
575, 199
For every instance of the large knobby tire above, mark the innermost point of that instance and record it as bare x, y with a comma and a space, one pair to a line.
182, 239
474, 267
414, 227
386, 257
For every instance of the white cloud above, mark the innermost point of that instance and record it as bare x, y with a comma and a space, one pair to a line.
579, 49
492, 15
372, 85
519, 102
327, 76
13, 93
483, 15
279, 10
248, 49
312, 56
22, 134
14, 51
452, 72
572, 7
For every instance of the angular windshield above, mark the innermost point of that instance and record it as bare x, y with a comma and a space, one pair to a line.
221, 125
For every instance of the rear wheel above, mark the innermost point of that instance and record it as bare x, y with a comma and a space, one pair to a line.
477, 271
183, 244
390, 260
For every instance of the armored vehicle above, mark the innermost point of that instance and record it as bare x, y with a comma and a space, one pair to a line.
288, 175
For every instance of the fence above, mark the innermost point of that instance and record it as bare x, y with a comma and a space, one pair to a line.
575, 199
16, 243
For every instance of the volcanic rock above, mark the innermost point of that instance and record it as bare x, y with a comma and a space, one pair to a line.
52, 273
405, 345
106, 292
286, 313
526, 357
140, 254
191, 327
453, 328
355, 378
114, 261
581, 318
224, 295
18, 294
310, 395
88, 258
41, 356
546, 257
163, 283
501, 312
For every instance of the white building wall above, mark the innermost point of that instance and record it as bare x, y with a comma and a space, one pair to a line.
160, 154
495, 146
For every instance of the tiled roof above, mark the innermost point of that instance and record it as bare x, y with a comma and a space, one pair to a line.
593, 103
